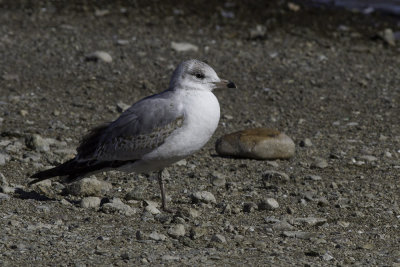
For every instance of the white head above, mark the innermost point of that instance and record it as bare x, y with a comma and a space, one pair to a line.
196, 75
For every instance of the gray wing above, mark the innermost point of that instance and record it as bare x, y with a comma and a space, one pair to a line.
139, 130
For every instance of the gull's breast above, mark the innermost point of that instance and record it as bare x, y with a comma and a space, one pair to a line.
201, 116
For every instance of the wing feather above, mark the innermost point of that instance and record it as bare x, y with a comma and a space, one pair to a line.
139, 130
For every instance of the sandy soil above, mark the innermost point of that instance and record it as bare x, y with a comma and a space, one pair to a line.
321, 76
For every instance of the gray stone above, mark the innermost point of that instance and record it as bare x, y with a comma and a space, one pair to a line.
319, 163
89, 187
117, 206
306, 142
388, 36
176, 230
99, 55
249, 206
369, 158
4, 157
256, 143
275, 177
157, 236
121, 106
152, 209
258, 32
38, 143
218, 238
268, 204
313, 177
90, 202
183, 47
218, 179
299, 234
4, 196
311, 221
204, 196
170, 258
3, 180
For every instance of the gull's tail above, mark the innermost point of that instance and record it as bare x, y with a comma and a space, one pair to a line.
74, 170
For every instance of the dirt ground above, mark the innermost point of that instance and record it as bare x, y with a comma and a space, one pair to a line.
322, 76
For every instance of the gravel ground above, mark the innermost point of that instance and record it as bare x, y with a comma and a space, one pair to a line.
323, 77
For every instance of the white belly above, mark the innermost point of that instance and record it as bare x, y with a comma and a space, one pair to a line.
202, 113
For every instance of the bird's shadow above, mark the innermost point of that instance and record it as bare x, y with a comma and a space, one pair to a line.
22, 194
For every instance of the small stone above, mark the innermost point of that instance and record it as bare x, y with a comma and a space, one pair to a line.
7, 189
311, 221
176, 230
140, 235
204, 196
275, 177
23, 112
197, 232
122, 42
268, 204
4, 158
258, 32
117, 206
218, 238
121, 106
37, 143
313, 177
299, 234
170, 258
89, 187
4, 196
90, 202
327, 257
319, 163
256, 143
157, 236
293, 7
99, 55
249, 207
194, 213
369, 158
218, 179
101, 12
388, 36
184, 47
282, 226
136, 194
44, 208
306, 142
152, 209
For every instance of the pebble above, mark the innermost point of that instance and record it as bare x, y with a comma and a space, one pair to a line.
249, 207
99, 55
299, 234
152, 209
136, 194
306, 142
319, 163
4, 196
203, 196
313, 177
256, 143
157, 236
388, 36
268, 204
37, 143
258, 32
275, 177
218, 179
282, 226
197, 232
170, 258
4, 158
327, 256
369, 158
121, 106
311, 221
184, 47
90, 202
218, 238
117, 206
89, 187
176, 230
3, 180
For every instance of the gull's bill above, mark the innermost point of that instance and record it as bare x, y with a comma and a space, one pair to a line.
224, 84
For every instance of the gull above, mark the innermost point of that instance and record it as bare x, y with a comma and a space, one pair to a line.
153, 133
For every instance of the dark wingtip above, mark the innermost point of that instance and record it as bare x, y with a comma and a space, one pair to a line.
231, 85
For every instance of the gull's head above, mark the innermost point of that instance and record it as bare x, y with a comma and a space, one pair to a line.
196, 75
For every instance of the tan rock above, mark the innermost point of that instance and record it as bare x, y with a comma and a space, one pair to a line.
257, 143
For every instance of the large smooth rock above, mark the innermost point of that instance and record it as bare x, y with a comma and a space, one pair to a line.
257, 143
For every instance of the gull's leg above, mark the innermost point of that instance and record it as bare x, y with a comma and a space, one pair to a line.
162, 188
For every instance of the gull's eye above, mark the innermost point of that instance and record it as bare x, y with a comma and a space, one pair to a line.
199, 75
